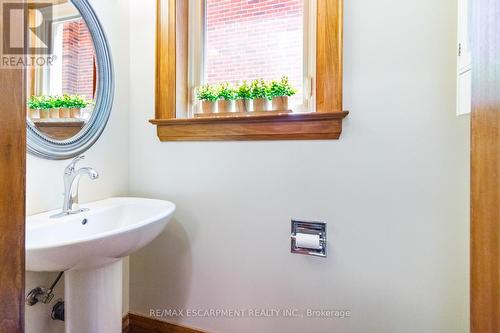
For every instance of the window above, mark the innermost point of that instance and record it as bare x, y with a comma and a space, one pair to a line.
74, 52
247, 40
209, 41
73, 68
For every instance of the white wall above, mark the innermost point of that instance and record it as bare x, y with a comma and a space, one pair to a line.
109, 156
394, 191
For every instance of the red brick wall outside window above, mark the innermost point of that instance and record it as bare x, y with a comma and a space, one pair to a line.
251, 39
78, 59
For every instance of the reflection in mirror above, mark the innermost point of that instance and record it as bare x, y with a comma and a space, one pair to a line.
61, 94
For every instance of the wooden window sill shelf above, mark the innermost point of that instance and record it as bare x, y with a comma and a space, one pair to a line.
285, 126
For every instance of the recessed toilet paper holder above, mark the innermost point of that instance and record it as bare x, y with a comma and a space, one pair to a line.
312, 234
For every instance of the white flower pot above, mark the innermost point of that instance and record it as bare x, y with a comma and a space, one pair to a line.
225, 106
261, 104
244, 105
34, 113
64, 113
75, 112
44, 114
54, 113
280, 103
208, 107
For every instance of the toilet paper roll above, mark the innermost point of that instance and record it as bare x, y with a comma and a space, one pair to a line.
308, 241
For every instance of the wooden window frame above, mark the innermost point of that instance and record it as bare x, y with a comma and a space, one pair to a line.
198, 53
172, 88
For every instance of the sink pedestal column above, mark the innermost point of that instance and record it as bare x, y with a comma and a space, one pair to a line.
93, 299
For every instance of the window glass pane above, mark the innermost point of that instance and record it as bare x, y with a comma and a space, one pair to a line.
79, 59
73, 69
252, 39
56, 68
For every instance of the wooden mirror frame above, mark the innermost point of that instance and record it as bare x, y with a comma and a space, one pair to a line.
172, 90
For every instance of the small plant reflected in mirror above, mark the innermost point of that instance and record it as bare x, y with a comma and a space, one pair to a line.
65, 106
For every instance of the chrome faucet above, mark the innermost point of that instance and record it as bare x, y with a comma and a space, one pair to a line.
71, 181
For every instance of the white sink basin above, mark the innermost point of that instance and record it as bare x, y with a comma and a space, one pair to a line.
89, 246
110, 230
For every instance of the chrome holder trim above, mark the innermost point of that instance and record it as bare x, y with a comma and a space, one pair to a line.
312, 228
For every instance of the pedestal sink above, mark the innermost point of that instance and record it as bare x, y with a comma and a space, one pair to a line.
89, 247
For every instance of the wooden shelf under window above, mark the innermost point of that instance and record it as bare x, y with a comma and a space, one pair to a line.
61, 128
285, 126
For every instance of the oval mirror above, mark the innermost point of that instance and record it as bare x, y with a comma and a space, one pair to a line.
70, 83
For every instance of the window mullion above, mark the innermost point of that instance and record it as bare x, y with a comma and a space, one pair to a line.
196, 49
310, 9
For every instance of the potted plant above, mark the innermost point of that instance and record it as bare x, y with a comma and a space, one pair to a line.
76, 104
54, 106
63, 104
278, 92
227, 96
58, 107
260, 95
244, 98
41, 103
39, 107
34, 107
208, 97
46, 107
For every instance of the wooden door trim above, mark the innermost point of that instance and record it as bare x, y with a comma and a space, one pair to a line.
12, 200
12, 194
485, 178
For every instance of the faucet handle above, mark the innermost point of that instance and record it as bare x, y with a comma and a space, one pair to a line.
71, 167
